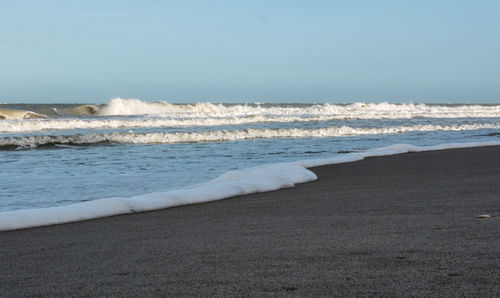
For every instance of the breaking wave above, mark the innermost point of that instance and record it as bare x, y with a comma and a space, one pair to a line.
119, 106
128, 107
221, 135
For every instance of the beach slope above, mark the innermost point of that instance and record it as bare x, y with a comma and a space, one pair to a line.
394, 225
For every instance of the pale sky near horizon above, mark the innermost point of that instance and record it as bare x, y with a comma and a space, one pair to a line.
244, 51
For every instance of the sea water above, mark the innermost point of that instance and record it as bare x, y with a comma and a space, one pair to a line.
62, 155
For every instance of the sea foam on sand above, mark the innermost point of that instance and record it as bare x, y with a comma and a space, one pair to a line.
258, 179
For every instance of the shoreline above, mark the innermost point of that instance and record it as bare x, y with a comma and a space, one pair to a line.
392, 225
270, 177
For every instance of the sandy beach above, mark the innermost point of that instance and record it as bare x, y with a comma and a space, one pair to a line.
402, 225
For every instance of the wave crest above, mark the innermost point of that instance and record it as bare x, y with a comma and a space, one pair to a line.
19, 114
120, 106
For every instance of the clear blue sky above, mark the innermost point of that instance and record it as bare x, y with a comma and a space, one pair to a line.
269, 51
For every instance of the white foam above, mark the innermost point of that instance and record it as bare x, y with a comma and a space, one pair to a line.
234, 183
65, 124
120, 106
225, 135
264, 178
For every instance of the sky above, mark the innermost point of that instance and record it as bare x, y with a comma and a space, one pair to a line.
250, 51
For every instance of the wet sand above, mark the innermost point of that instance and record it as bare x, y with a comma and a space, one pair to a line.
385, 226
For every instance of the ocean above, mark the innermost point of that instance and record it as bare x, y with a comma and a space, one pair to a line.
66, 162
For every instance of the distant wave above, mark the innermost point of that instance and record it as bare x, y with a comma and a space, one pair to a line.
221, 135
128, 107
119, 106
162, 114
19, 114
83, 110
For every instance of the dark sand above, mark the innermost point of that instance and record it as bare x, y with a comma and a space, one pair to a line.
396, 225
